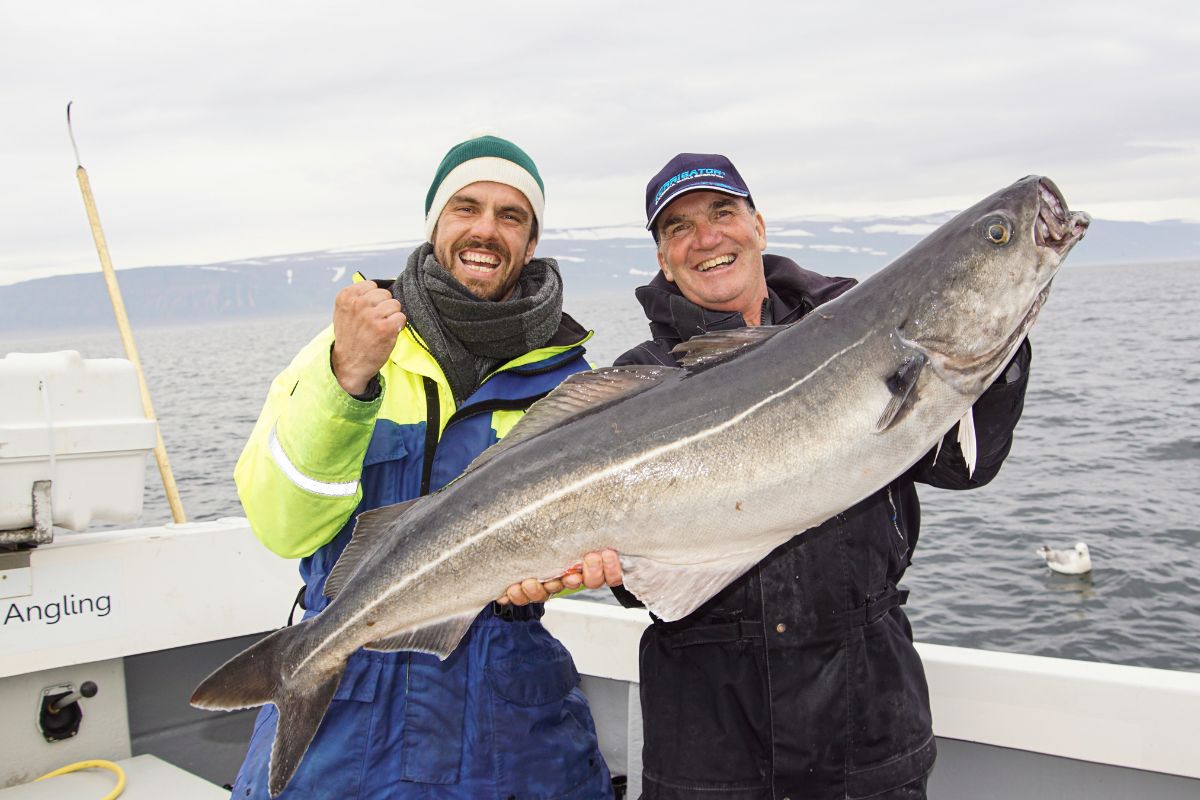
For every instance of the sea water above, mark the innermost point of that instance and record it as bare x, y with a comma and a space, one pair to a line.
1107, 453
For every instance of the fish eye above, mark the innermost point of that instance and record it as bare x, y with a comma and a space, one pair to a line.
998, 231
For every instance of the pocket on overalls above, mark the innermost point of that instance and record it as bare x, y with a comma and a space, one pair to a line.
890, 734
435, 704
543, 732
705, 713
387, 477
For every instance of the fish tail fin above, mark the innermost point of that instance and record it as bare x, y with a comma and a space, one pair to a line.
300, 714
251, 678
257, 676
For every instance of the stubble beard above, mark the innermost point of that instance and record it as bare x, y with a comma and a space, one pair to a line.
482, 288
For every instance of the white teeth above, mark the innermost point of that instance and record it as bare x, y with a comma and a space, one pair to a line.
704, 266
480, 258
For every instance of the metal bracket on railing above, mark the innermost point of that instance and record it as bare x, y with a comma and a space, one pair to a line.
42, 531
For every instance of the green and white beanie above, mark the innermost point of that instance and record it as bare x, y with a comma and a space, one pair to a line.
484, 158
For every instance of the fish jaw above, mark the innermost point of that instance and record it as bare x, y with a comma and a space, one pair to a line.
1056, 229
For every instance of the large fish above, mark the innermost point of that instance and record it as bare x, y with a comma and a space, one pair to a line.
692, 474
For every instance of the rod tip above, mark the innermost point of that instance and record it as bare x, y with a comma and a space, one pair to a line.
71, 133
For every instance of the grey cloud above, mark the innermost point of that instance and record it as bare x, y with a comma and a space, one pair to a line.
220, 130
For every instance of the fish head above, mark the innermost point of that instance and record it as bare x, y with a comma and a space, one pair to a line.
983, 277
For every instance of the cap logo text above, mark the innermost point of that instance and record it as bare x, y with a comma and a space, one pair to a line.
690, 174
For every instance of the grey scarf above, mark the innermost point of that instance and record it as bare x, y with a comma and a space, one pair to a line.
470, 337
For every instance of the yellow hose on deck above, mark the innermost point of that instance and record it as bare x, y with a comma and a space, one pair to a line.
93, 764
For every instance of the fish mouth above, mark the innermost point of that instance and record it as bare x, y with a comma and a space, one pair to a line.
1056, 228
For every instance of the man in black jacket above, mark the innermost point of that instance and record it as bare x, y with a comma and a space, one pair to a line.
800, 679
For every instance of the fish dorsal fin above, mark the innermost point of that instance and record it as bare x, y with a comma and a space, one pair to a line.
709, 349
369, 530
672, 591
579, 395
901, 384
438, 639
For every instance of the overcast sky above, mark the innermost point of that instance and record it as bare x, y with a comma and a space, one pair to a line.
220, 130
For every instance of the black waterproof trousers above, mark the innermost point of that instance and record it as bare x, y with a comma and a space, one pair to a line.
800, 681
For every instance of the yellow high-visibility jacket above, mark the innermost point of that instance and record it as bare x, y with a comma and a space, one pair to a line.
503, 715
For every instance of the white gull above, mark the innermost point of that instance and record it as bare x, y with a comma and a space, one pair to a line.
1068, 562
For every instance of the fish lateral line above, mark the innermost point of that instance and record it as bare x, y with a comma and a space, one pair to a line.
586, 481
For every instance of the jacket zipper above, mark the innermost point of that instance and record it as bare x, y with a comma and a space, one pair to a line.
432, 425
433, 415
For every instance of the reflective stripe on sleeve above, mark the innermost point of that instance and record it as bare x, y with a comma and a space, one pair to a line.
303, 481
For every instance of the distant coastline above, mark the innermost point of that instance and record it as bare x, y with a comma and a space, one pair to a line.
593, 260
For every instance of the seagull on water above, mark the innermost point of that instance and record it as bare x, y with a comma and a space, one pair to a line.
1068, 562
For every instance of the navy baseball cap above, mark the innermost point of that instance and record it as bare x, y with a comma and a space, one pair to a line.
689, 172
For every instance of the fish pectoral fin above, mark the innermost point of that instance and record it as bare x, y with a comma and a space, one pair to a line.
438, 639
967, 441
369, 529
672, 591
902, 385
709, 349
579, 395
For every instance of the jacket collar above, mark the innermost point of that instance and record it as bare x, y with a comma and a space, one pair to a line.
412, 354
792, 292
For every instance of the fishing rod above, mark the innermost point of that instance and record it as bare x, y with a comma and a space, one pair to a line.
118, 304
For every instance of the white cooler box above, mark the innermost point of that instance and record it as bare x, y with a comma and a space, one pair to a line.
88, 414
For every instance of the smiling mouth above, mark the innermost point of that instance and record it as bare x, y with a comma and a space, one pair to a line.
477, 261
717, 261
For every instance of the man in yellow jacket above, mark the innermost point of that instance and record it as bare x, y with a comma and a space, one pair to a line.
414, 379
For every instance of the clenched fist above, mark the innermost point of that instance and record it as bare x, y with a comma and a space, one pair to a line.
366, 322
